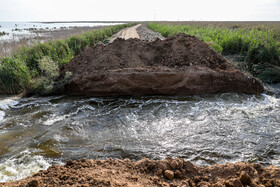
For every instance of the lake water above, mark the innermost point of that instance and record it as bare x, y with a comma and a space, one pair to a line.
23, 29
36, 132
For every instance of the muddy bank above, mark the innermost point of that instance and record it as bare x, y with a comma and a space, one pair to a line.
179, 65
168, 172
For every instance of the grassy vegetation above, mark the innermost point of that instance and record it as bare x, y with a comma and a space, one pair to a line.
255, 46
35, 69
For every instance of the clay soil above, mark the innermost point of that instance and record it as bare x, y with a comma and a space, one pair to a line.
168, 172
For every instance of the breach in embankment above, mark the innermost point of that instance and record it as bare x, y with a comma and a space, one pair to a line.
178, 65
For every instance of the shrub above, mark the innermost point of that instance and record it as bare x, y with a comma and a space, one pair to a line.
32, 56
48, 67
76, 44
60, 52
14, 76
49, 72
90, 38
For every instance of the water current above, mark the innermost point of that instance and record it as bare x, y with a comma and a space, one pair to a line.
36, 132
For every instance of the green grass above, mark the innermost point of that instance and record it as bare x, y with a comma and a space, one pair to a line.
14, 76
257, 46
35, 69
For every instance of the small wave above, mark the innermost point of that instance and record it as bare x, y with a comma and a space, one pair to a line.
5, 104
2, 115
8, 102
22, 165
55, 119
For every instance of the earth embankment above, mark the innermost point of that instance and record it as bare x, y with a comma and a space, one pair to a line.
178, 65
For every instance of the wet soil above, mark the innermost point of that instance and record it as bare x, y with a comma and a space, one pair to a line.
168, 172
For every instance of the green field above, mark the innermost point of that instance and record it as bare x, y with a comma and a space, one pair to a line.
252, 46
35, 69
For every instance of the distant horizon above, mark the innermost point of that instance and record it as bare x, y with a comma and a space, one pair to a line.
146, 10
84, 21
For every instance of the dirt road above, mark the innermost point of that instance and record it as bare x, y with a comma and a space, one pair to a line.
127, 33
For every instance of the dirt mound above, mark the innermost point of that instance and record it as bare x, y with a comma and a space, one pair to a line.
179, 51
169, 172
179, 65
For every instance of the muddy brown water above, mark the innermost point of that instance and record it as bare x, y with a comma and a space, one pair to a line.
211, 129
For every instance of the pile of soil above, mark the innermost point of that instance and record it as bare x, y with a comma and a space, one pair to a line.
179, 65
168, 172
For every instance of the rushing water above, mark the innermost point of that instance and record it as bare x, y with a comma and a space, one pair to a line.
212, 129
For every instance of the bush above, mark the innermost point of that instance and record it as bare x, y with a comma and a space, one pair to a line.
76, 44
14, 76
90, 38
60, 52
49, 72
31, 56
48, 67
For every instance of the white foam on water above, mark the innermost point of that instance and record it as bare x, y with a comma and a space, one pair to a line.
54, 119
2, 115
5, 104
276, 162
8, 102
20, 166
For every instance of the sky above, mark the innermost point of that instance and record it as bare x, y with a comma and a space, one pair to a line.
142, 10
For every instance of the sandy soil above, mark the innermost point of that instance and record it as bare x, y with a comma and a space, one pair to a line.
168, 172
130, 32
